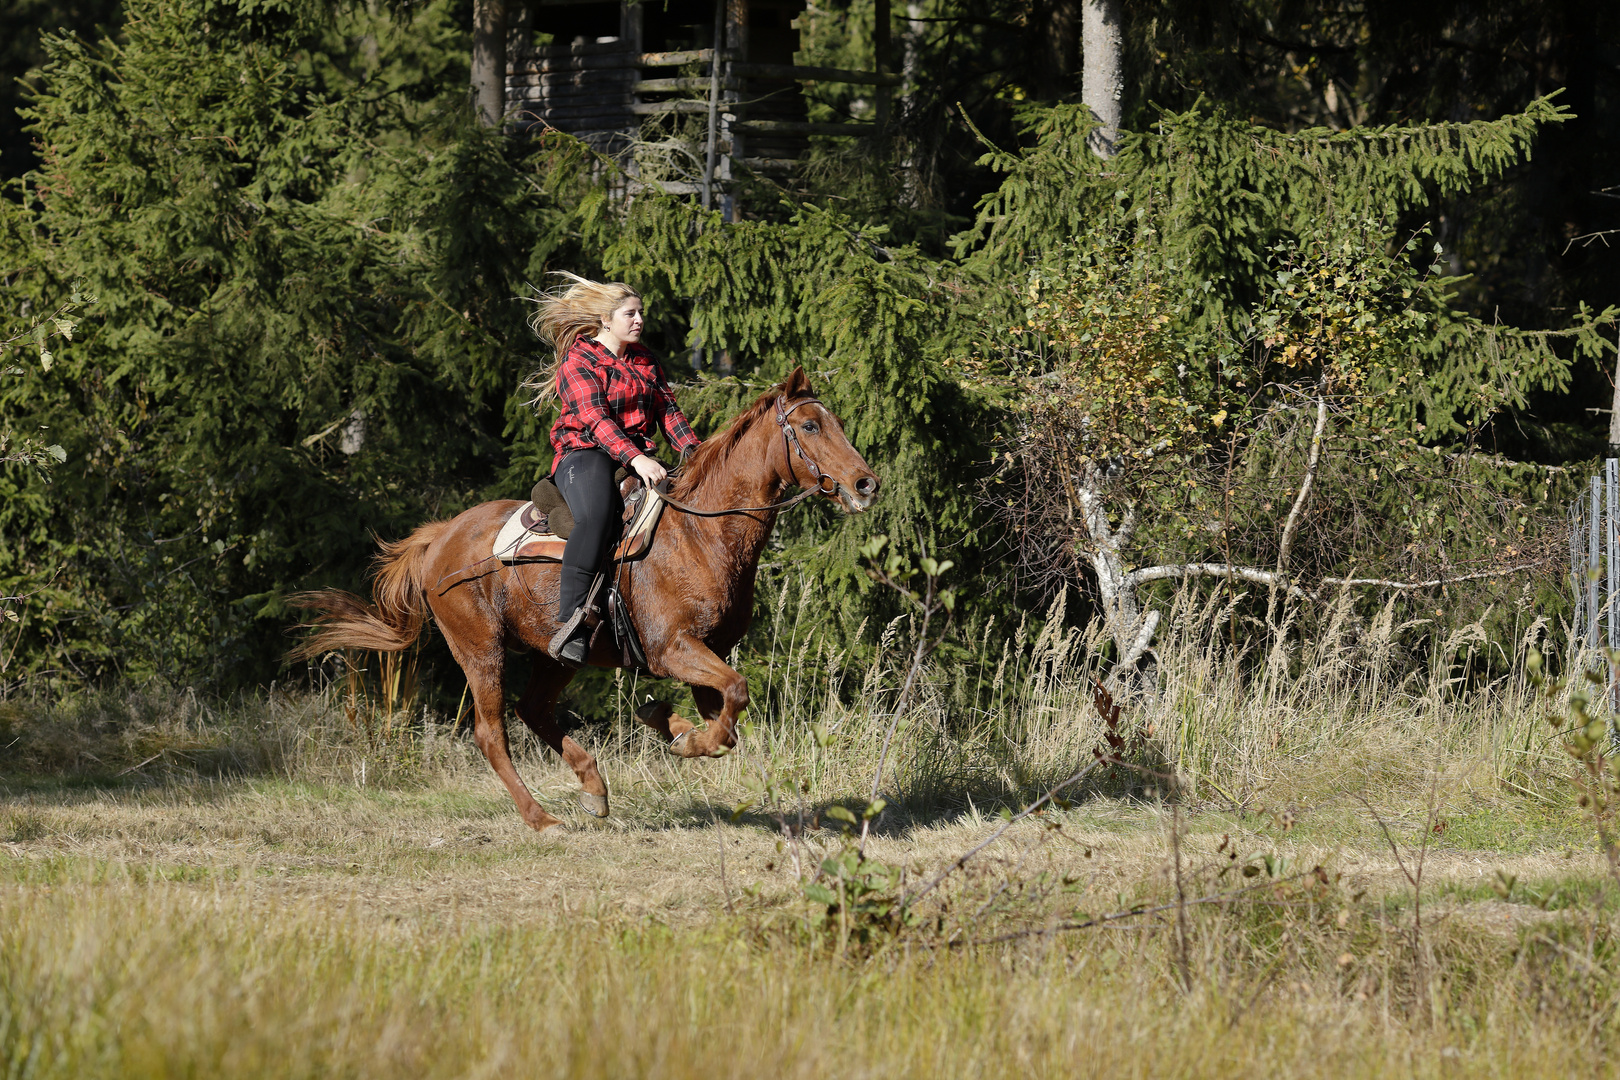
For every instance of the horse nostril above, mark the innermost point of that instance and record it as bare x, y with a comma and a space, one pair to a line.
866, 485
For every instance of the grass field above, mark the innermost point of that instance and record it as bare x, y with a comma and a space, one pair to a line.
272, 890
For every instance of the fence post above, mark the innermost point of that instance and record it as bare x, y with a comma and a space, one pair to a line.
1594, 520
1611, 560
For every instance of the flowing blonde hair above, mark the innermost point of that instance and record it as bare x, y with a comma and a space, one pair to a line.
563, 314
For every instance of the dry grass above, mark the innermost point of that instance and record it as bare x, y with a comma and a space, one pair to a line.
271, 890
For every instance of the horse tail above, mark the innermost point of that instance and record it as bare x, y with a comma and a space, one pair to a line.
345, 621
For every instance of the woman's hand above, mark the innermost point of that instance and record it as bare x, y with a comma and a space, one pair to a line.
652, 474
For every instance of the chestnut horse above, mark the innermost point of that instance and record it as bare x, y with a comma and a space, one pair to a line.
691, 596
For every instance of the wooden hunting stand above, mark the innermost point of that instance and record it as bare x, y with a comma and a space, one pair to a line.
617, 64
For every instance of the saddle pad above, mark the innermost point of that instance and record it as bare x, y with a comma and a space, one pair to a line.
521, 540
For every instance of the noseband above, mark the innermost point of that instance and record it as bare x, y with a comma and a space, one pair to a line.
784, 412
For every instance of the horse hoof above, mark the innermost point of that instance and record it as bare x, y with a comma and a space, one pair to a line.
595, 805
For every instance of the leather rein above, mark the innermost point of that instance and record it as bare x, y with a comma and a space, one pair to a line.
790, 447
790, 439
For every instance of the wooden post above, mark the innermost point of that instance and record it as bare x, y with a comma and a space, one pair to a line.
630, 22
714, 103
736, 53
716, 45
880, 56
1614, 410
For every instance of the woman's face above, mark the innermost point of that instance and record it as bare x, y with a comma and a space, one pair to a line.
626, 322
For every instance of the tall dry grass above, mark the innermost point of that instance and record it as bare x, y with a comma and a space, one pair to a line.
1375, 703
297, 943
117, 978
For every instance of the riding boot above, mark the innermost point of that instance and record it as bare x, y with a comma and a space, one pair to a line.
571, 643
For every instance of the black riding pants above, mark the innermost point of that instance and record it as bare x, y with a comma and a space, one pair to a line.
585, 478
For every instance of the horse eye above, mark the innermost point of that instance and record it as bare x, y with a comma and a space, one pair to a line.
810, 427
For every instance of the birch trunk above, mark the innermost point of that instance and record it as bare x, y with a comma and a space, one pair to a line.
1132, 633
1102, 80
489, 60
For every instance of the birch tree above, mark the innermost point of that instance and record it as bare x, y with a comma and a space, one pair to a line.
1102, 81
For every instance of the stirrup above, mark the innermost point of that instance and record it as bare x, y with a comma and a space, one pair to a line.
571, 628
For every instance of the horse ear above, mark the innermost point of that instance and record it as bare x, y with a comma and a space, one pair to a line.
798, 384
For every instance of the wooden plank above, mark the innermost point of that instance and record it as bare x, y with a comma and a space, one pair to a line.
618, 77
577, 112
565, 93
675, 59
618, 92
795, 73
571, 101
759, 164
667, 187
664, 108
795, 127
674, 86
607, 62
589, 48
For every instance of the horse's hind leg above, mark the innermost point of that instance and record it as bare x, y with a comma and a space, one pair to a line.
485, 674
538, 708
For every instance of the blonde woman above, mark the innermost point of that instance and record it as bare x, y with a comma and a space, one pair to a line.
614, 396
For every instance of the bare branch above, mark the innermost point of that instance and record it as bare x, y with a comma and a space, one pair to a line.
1434, 583
1222, 570
1171, 571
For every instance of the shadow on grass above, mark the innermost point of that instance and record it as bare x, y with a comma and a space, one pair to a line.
936, 806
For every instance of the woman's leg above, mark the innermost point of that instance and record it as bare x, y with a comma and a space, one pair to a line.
585, 479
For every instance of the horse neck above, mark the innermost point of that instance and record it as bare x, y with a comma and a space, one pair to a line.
753, 474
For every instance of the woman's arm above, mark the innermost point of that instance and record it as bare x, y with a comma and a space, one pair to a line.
674, 421
583, 393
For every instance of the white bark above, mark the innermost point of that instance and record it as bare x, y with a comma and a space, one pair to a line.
489, 60
1132, 633
1120, 609
1285, 547
1258, 576
1102, 85
1614, 408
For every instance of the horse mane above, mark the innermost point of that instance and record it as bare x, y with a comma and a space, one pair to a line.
711, 456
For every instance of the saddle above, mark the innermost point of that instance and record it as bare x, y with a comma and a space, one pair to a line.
538, 530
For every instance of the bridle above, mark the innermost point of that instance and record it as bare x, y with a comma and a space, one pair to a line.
783, 413
791, 447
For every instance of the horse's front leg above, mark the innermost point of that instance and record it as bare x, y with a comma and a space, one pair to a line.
710, 677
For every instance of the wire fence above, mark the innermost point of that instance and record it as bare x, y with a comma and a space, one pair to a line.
1594, 566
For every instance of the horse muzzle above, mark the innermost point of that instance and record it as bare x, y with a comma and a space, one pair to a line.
858, 497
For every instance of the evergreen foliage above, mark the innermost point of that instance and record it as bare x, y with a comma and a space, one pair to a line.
309, 264
1216, 195
306, 261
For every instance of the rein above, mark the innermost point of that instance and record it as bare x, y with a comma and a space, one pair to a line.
791, 447
789, 436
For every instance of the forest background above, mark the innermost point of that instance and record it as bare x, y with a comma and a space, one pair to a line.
1336, 306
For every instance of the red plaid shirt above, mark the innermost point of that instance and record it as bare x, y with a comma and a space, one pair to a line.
615, 403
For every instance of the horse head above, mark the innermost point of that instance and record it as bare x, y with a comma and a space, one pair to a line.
818, 452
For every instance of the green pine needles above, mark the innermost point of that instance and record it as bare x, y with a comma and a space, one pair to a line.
309, 263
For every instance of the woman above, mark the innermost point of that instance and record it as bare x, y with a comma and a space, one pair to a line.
614, 396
